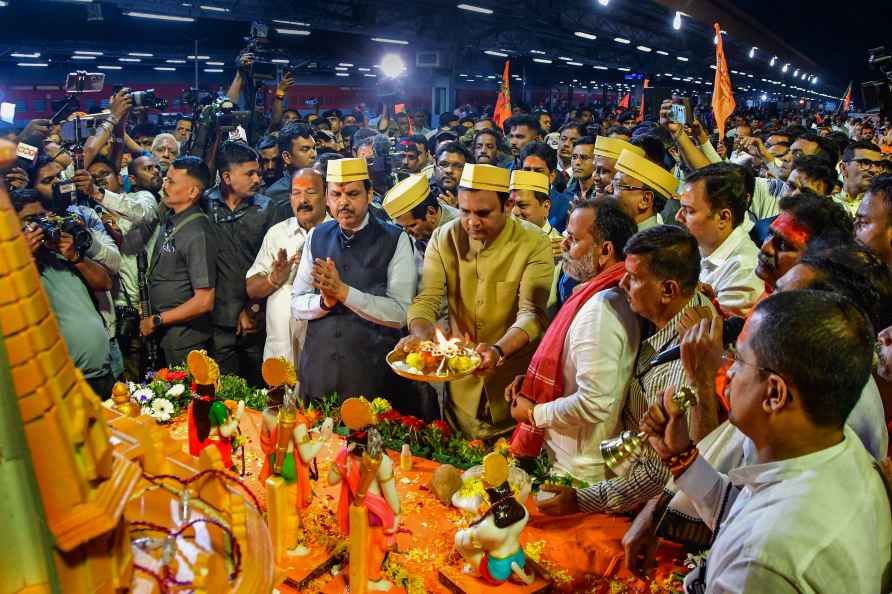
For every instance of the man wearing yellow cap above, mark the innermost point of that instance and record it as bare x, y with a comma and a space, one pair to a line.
412, 206
495, 273
607, 151
355, 280
642, 187
529, 197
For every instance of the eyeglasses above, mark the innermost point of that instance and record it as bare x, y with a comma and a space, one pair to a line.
732, 356
867, 164
624, 188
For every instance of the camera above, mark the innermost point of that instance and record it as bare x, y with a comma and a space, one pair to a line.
148, 99
218, 114
64, 193
54, 226
260, 46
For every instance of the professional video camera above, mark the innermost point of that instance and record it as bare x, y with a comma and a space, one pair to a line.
219, 114
54, 226
877, 94
260, 44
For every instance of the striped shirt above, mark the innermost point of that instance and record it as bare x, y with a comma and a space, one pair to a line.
647, 475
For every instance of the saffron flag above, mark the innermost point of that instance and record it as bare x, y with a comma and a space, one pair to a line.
503, 103
723, 103
641, 111
624, 102
846, 102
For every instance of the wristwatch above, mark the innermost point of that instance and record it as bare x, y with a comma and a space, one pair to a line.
156, 321
499, 350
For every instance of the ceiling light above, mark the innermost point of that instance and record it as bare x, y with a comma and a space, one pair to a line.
20, 55
622, 40
574, 63
662, 53
284, 22
198, 57
564, 58
160, 17
292, 31
676, 22
773, 60
215, 63
342, 74
785, 68
83, 57
643, 48
388, 40
165, 69
603, 2
600, 67
140, 55
371, 75
33, 64
472, 8
85, 53
392, 65
213, 8
681, 58
129, 60
585, 35
347, 64
175, 61
341, 68
623, 68
796, 72
495, 53
276, 61
108, 67
213, 70
540, 52
542, 60
361, 69
752, 53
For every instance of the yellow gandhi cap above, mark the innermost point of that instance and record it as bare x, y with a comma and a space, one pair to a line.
647, 172
406, 195
612, 147
343, 171
529, 180
484, 177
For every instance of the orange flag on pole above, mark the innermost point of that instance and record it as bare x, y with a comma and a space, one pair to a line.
503, 103
624, 102
723, 103
843, 107
641, 111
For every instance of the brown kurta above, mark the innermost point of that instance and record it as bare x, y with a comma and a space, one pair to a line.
489, 289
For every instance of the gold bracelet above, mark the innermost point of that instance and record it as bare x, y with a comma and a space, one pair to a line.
531, 417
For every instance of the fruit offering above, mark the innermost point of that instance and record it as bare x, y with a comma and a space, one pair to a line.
436, 360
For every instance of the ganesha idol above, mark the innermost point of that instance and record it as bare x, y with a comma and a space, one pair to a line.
491, 546
212, 422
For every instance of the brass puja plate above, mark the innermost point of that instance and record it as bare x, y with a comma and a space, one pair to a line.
397, 362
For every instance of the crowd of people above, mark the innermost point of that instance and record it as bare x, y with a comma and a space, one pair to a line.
597, 261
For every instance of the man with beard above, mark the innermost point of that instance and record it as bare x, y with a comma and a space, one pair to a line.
241, 217
451, 160
486, 147
272, 273
130, 219
270, 163
354, 283
861, 162
494, 272
165, 148
572, 393
297, 150
642, 188
606, 152
522, 129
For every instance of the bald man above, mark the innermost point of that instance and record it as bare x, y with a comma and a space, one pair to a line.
272, 273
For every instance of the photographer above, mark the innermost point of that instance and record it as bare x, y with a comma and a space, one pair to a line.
68, 277
240, 218
133, 216
110, 131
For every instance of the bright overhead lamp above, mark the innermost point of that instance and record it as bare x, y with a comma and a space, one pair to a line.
752, 53
198, 57
33, 64
796, 72
86, 53
292, 31
276, 61
623, 68
284, 22
340, 68
213, 8
109, 67
676, 21
160, 17
622, 40
213, 70
175, 61
585, 35
140, 54
361, 69
681, 58
643, 48
785, 68
495, 53
603, 2
392, 65
21, 55
342, 74
540, 52
215, 63
165, 69
574, 63
773, 60
371, 75
662, 53
542, 60
134, 60
564, 58
83, 57
600, 67
347, 64
389, 40
472, 8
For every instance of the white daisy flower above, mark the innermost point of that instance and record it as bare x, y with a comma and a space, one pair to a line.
176, 390
143, 395
162, 409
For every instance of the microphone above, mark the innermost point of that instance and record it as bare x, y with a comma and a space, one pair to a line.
731, 329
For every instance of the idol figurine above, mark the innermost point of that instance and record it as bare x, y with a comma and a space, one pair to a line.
491, 544
211, 420
369, 506
286, 430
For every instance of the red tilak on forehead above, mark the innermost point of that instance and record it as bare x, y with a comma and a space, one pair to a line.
303, 182
791, 230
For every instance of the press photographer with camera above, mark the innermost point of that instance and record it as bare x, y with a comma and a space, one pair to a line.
68, 279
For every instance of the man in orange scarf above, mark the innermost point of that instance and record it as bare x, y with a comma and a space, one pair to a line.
571, 396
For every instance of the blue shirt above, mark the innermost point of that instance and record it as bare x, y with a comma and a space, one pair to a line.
560, 209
